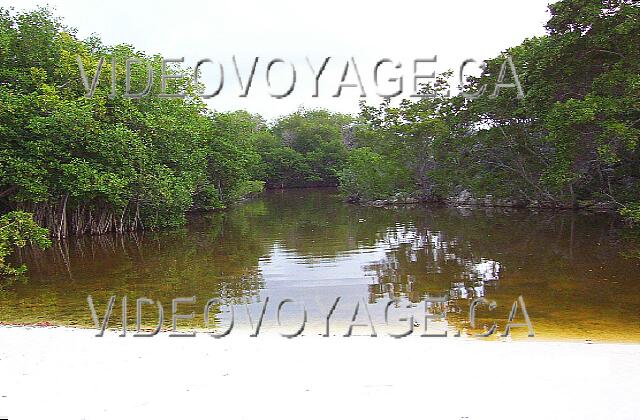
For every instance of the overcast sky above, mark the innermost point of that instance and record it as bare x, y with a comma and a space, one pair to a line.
400, 30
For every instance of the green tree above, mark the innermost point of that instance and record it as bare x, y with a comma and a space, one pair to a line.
104, 164
17, 229
306, 149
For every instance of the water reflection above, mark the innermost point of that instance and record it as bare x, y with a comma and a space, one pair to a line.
310, 246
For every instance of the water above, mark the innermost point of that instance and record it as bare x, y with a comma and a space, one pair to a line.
579, 274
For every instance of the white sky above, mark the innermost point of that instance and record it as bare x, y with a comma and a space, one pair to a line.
401, 30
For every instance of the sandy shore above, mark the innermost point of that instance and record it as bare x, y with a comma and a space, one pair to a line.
70, 374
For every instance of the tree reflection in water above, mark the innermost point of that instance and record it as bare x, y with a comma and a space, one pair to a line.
573, 270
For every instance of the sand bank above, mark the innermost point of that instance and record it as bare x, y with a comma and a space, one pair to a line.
70, 374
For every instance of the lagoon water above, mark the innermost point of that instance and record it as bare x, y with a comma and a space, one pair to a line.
578, 273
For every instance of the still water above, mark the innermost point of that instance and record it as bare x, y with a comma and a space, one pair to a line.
579, 274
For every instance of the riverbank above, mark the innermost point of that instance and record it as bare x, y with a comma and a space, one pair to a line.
466, 199
66, 373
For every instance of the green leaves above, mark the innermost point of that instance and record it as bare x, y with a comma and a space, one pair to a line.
575, 136
17, 229
304, 148
101, 164
370, 176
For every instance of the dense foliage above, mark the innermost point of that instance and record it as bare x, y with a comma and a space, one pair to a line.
305, 148
102, 164
573, 140
17, 229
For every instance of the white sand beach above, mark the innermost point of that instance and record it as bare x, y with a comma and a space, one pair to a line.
64, 373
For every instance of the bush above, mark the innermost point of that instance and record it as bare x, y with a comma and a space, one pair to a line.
631, 212
370, 176
17, 229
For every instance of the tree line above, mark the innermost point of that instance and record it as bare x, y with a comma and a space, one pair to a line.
572, 141
91, 165
78, 165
